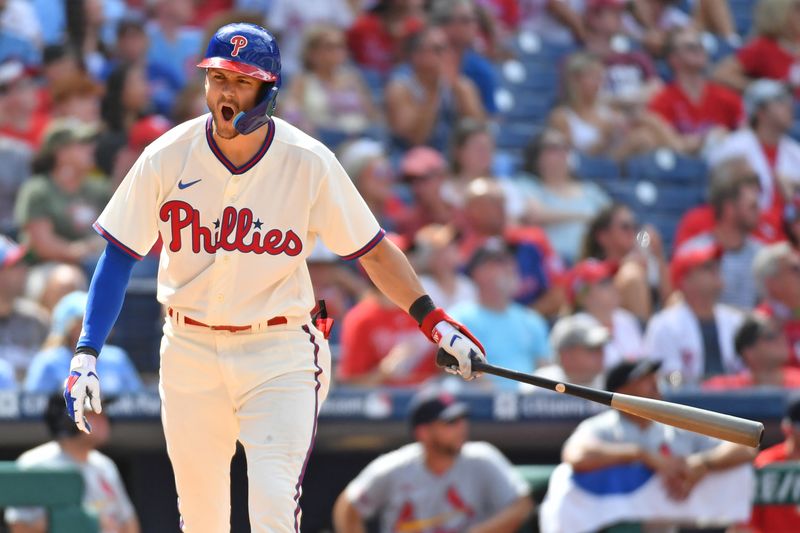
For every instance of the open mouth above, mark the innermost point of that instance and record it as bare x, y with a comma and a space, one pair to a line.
227, 112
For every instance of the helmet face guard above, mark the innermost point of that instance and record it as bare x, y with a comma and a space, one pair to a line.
250, 50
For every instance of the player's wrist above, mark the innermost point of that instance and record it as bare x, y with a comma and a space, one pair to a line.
86, 350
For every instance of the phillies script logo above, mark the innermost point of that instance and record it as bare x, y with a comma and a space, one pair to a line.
238, 42
231, 232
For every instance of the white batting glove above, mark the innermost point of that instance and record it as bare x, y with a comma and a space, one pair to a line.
459, 345
82, 385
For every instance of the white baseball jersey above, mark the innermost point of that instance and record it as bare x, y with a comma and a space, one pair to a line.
235, 239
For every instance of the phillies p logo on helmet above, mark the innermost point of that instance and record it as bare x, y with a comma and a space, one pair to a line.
238, 42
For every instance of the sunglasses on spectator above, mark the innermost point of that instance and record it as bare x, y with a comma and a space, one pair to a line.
691, 46
438, 48
462, 19
555, 146
626, 225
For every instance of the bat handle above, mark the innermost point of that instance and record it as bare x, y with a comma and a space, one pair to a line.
444, 359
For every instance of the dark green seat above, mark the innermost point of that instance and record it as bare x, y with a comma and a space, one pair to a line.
60, 491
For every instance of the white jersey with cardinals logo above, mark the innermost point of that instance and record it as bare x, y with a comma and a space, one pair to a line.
236, 238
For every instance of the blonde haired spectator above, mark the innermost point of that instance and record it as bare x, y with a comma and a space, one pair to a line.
596, 128
772, 53
435, 256
328, 94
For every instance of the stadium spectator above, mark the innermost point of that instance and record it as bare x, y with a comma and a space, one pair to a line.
425, 172
776, 270
681, 459
16, 168
85, 22
766, 144
642, 277
19, 115
365, 162
292, 20
780, 517
127, 97
593, 127
381, 345
143, 132
57, 282
578, 342
328, 97
19, 18
514, 335
762, 347
59, 62
131, 44
693, 339
104, 493
441, 481
649, 22
700, 219
593, 294
483, 217
557, 202
77, 97
736, 216
47, 369
459, 20
700, 110
174, 46
435, 258
630, 75
56, 209
424, 101
770, 53
378, 38
554, 21
22, 326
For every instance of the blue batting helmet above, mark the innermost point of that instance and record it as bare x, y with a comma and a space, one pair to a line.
250, 50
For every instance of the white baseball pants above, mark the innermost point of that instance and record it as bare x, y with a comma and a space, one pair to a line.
264, 389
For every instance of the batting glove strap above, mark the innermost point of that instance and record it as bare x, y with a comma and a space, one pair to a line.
432, 319
82, 384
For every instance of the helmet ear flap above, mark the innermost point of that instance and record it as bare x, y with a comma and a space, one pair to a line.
258, 116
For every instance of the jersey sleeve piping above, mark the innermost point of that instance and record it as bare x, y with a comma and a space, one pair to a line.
113, 240
367, 247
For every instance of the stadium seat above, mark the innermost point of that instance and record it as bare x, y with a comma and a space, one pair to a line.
596, 169
742, 11
528, 46
665, 165
517, 135
533, 76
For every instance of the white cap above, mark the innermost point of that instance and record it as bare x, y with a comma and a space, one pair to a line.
578, 330
761, 92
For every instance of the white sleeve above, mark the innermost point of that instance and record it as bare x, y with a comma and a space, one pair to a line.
659, 344
340, 215
130, 220
370, 491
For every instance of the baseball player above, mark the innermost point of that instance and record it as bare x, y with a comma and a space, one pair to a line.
240, 198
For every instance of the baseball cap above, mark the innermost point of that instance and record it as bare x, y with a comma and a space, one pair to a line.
68, 309
494, 249
578, 330
687, 260
763, 91
422, 161
11, 253
356, 155
64, 131
432, 405
588, 272
147, 130
11, 71
627, 371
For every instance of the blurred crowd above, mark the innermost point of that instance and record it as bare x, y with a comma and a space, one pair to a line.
581, 183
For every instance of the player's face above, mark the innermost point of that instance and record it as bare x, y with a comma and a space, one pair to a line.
447, 438
227, 94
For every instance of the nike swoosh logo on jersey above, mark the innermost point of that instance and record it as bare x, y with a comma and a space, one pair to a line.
182, 185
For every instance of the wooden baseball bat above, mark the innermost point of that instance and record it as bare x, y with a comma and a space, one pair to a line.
713, 424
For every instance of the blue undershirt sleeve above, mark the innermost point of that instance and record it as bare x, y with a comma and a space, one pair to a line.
106, 294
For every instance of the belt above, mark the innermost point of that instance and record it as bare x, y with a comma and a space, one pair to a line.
274, 321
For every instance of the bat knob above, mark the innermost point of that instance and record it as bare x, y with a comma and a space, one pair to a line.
444, 359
